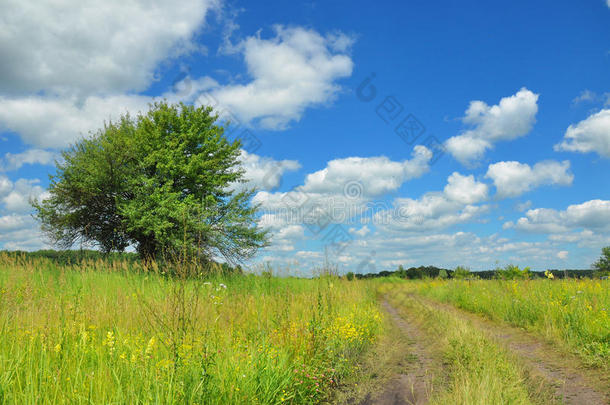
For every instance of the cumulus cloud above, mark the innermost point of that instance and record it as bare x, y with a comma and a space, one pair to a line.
592, 215
17, 200
18, 230
374, 176
5, 185
511, 118
57, 122
263, 173
436, 210
362, 232
294, 70
90, 47
465, 189
514, 178
563, 254
589, 135
14, 161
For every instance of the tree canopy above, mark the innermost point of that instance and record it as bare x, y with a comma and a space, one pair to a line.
161, 182
603, 264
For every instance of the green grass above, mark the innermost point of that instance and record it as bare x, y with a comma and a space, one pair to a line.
101, 333
477, 370
573, 314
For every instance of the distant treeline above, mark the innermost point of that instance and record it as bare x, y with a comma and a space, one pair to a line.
73, 257
434, 272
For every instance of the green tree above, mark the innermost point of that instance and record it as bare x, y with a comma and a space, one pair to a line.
461, 272
602, 266
512, 272
161, 182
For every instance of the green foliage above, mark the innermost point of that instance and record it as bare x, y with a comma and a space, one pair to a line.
443, 274
161, 182
461, 272
602, 266
401, 272
96, 333
512, 272
349, 276
573, 314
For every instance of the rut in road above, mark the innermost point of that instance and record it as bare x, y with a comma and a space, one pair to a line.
573, 383
414, 385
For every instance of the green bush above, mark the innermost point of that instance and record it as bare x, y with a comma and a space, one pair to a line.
512, 272
461, 272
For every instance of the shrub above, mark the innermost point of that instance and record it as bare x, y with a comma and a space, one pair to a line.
461, 272
512, 272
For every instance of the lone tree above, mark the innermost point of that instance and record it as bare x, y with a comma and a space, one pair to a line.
603, 264
160, 182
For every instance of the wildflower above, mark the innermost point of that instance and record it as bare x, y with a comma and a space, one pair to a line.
150, 347
57, 348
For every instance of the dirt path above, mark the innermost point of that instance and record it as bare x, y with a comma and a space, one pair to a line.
413, 385
573, 383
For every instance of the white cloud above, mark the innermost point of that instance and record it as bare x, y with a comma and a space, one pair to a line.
585, 96
17, 199
362, 232
511, 118
465, 189
31, 156
368, 177
589, 135
5, 185
20, 232
55, 122
513, 178
436, 210
12, 222
290, 72
524, 206
592, 215
262, 172
563, 254
86, 47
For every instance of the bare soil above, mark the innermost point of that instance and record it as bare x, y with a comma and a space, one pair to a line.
414, 384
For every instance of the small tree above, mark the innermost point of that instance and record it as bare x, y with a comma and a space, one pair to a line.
401, 272
602, 266
442, 274
349, 276
461, 272
511, 272
160, 182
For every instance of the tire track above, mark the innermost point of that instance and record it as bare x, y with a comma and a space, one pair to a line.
415, 385
573, 382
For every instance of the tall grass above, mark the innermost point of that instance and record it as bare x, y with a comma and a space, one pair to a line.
478, 370
105, 333
571, 313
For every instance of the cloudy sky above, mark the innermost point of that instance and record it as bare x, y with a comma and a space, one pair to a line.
377, 134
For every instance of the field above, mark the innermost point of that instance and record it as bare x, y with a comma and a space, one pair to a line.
116, 334
119, 332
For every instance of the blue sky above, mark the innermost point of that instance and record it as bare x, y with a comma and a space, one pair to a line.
503, 108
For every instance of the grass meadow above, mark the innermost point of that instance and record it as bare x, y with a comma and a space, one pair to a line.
118, 332
571, 313
115, 333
